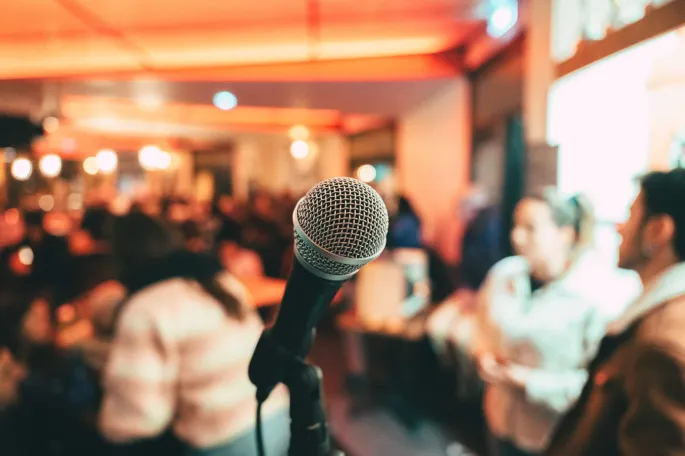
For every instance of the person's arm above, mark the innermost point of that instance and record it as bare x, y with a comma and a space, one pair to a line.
654, 424
556, 390
481, 342
139, 381
482, 348
559, 389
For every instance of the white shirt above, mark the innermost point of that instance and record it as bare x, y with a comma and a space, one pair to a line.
554, 331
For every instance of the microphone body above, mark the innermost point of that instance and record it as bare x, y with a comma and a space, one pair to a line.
341, 224
304, 302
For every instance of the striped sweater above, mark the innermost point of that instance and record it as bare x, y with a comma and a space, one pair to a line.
178, 360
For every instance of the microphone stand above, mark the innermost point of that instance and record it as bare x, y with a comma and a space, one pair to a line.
309, 433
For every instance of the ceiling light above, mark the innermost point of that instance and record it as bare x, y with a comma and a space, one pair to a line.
50, 165
225, 101
107, 161
147, 157
21, 169
90, 166
298, 132
50, 124
366, 173
25, 255
503, 17
46, 203
299, 149
149, 101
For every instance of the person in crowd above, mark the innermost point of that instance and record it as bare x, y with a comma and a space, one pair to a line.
41, 258
239, 261
540, 321
262, 233
48, 396
11, 375
177, 371
95, 291
634, 401
175, 210
92, 265
192, 236
405, 227
482, 240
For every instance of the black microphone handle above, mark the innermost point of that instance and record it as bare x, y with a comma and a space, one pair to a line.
304, 303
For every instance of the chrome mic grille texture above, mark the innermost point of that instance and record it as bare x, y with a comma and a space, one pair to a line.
342, 224
320, 262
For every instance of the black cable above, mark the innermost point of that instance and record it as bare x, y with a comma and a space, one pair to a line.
260, 438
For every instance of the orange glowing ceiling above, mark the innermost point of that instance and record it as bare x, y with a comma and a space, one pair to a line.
53, 38
123, 72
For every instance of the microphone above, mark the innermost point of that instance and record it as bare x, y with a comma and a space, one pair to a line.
340, 225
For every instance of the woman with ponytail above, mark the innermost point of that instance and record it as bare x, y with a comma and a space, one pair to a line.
540, 321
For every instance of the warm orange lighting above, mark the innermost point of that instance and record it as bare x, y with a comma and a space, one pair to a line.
66, 314
90, 166
172, 48
298, 132
12, 216
46, 203
383, 48
395, 68
153, 158
50, 124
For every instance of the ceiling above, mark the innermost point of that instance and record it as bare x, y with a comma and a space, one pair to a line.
40, 38
130, 69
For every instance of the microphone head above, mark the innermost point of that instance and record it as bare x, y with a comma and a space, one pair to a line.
341, 224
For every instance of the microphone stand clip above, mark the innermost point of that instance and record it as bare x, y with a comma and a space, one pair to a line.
309, 432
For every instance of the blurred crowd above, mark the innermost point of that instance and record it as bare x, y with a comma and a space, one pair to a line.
100, 308
130, 331
70, 282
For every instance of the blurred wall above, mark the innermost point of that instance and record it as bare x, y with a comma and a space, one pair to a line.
433, 150
264, 161
538, 69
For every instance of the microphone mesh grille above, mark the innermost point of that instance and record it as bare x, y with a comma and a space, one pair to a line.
320, 262
345, 217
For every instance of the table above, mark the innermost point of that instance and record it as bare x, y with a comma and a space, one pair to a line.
265, 291
388, 357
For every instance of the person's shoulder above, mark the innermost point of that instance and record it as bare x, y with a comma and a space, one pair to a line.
509, 265
152, 301
234, 286
505, 270
664, 325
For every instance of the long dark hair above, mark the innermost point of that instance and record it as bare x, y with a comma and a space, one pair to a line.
147, 251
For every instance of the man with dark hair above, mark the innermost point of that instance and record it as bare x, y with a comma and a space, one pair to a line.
634, 401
